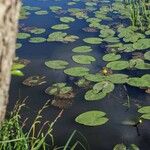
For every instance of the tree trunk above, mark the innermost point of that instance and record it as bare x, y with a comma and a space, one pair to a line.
9, 14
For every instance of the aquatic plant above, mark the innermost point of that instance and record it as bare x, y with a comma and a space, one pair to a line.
92, 118
41, 12
142, 44
56, 64
83, 59
118, 65
76, 71
82, 49
147, 55
37, 40
60, 27
111, 57
55, 8
18, 45
67, 19
145, 111
38, 30
93, 40
16, 69
22, 36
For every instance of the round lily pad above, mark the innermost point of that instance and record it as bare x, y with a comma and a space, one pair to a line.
147, 55
111, 39
38, 30
93, 40
142, 44
93, 95
23, 36
60, 27
18, 45
111, 57
118, 65
144, 110
37, 40
77, 71
95, 77
146, 116
82, 49
67, 19
41, 12
56, 64
92, 118
83, 59
120, 147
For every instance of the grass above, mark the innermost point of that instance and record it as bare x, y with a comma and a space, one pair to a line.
13, 137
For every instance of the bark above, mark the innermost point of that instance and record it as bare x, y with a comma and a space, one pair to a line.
9, 14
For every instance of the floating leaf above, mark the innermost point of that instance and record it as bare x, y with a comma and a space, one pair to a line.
118, 65
107, 33
111, 39
133, 147
55, 8
60, 27
17, 66
111, 57
38, 30
93, 95
95, 77
37, 40
56, 64
17, 73
146, 116
93, 40
92, 118
22, 36
82, 49
77, 71
18, 45
117, 78
147, 55
144, 110
120, 147
41, 12
83, 59
142, 44
67, 19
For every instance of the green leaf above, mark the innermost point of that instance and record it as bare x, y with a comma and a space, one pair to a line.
17, 73
118, 65
56, 64
145, 109
146, 116
38, 30
93, 40
147, 55
37, 40
22, 36
82, 49
95, 77
120, 147
60, 27
92, 118
83, 59
142, 44
67, 19
41, 12
111, 57
133, 147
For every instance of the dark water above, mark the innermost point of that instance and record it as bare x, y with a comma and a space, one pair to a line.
101, 137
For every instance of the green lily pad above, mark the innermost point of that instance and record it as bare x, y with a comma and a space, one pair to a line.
142, 44
93, 40
83, 59
92, 118
146, 116
82, 49
107, 33
18, 73
17, 66
55, 8
147, 55
111, 39
37, 40
104, 86
93, 95
22, 36
18, 45
38, 30
120, 147
41, 12
56, 64
117, 78
133, 147
77, 71
144, 110
67, 19
111, 57
60, 27
95, 77
118, 65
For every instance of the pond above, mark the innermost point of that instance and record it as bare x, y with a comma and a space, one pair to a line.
89, 58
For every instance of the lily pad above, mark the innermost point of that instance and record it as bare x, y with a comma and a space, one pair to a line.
37, 40
67, 19
41, 12
95, 77
147, 55
92, 118
118, 65
111, 39
111, 57
142, 44
77, 71
38, 30
82, 49
56, 64
120, 147
60, 27
93, 40
18, 45
22, 36
83, 59
145, 111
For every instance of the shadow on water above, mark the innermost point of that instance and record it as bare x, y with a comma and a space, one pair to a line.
99, 138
